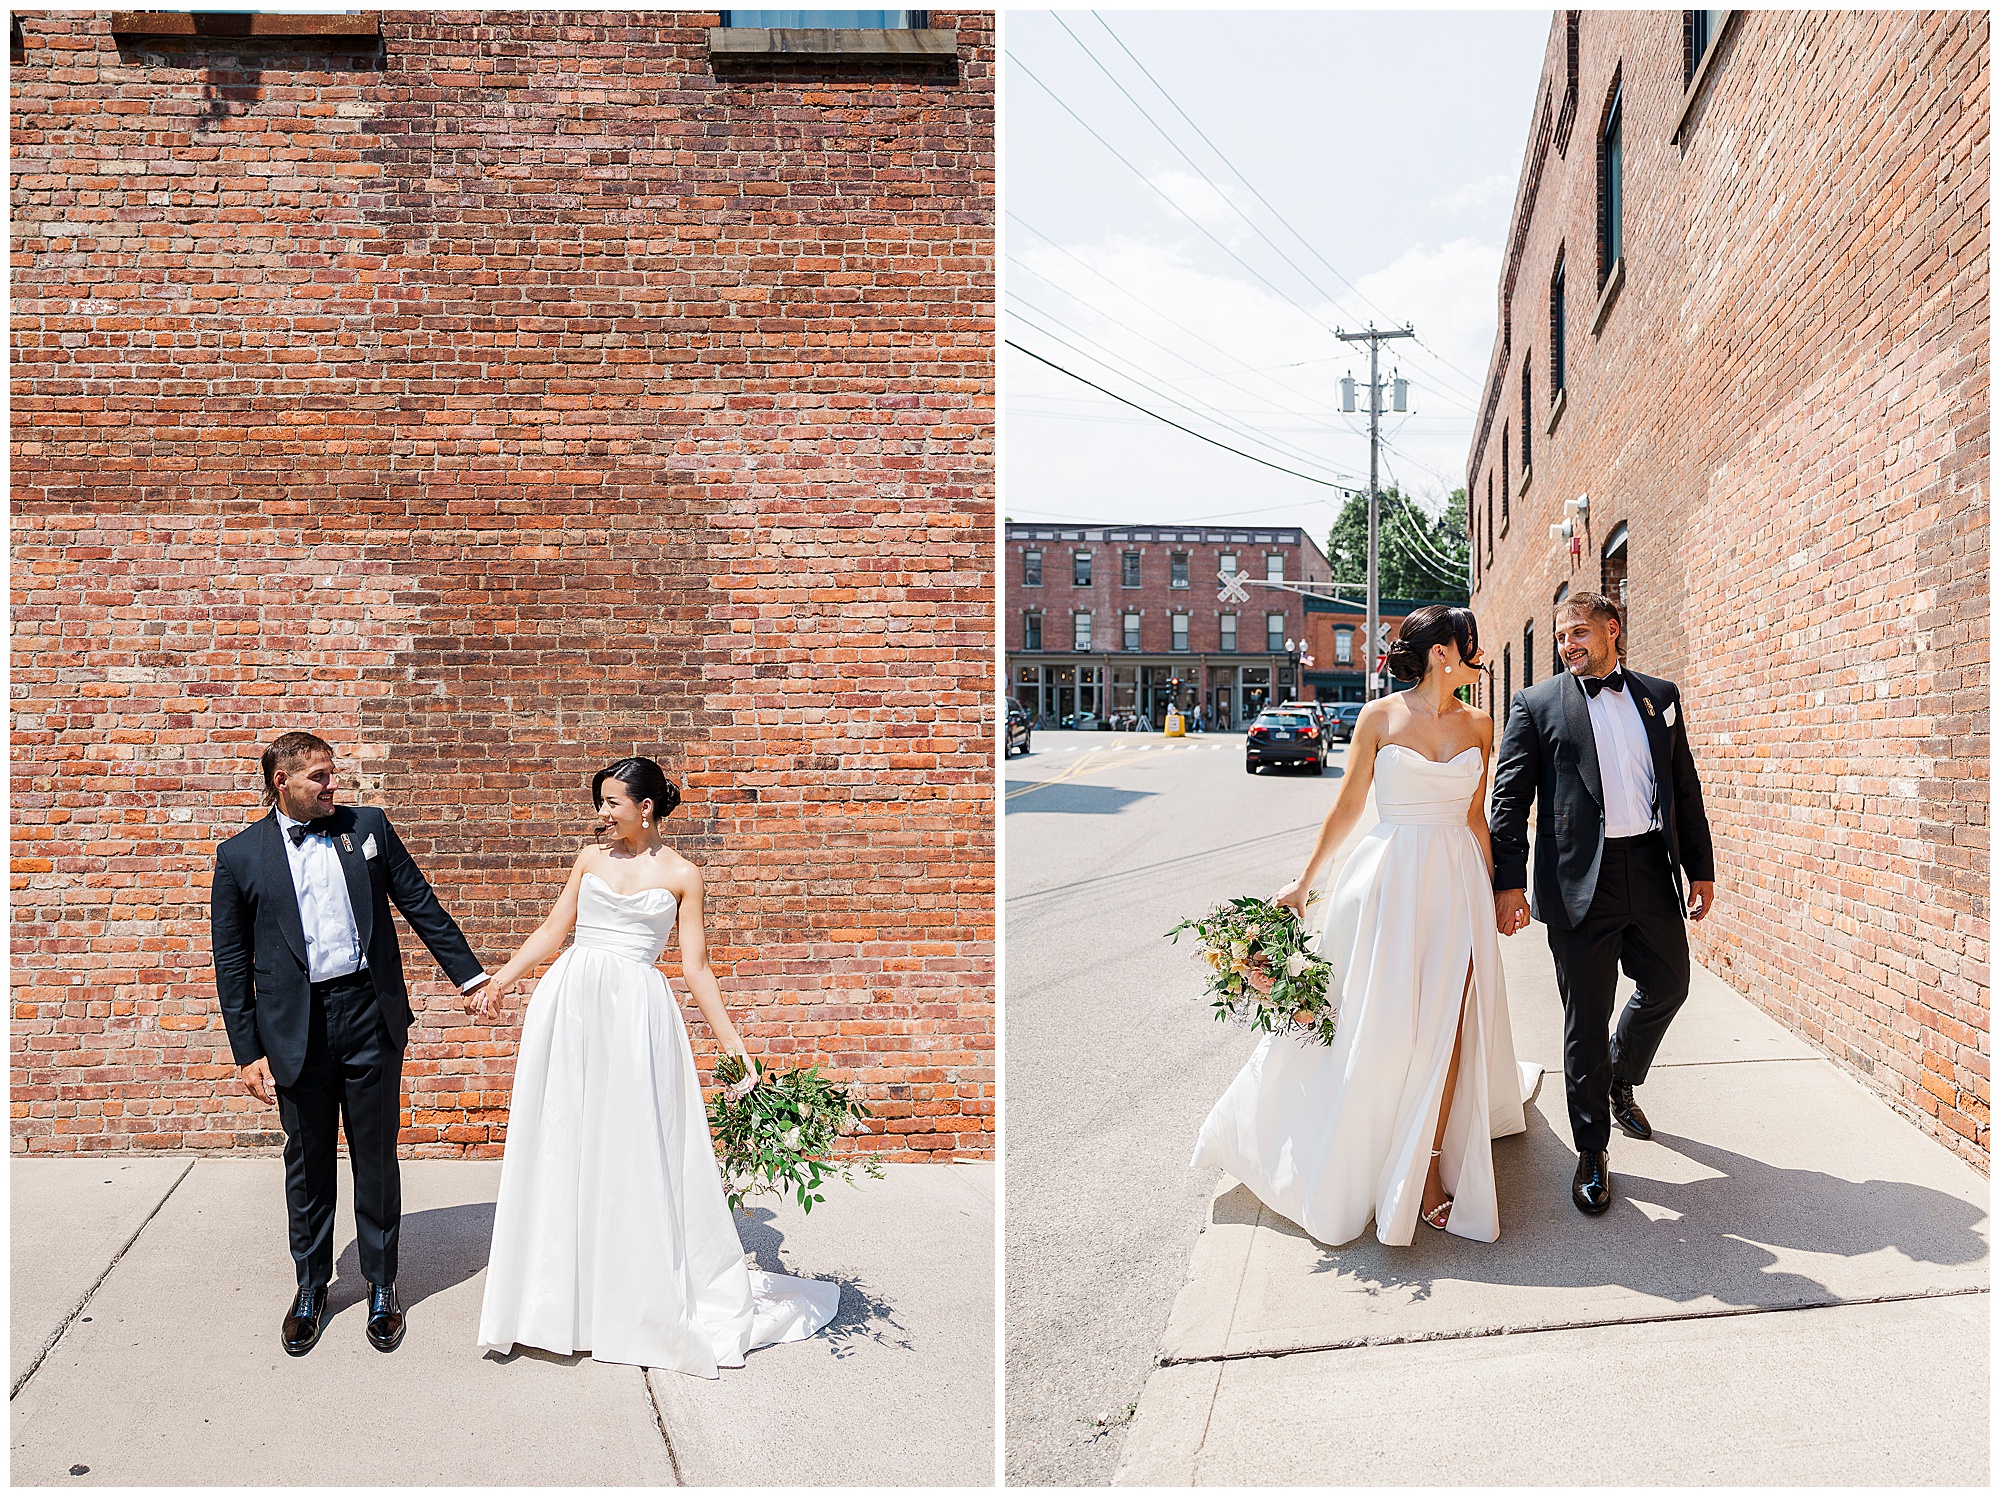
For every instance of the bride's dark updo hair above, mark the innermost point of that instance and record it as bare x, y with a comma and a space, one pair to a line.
1417, 635
643, 780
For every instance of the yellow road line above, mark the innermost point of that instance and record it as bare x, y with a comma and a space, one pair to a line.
1068, 774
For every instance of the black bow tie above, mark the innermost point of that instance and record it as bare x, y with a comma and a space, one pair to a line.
1594, 684
304, 829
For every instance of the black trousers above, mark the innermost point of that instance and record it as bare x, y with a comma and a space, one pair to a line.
1635, 922
353, 1075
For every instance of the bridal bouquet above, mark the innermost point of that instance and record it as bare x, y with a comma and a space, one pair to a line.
1260, 973
778, 1137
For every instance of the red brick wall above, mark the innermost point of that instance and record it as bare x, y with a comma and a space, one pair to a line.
526, 394
1788, 405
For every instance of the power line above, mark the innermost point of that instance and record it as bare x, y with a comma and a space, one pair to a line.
1238, 427
1198, 436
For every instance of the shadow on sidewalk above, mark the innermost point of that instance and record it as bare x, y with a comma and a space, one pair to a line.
864, 1315
1743, 1232
435, 1250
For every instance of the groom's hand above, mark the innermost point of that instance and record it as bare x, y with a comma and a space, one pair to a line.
1510, 911
1701, 897
255, 1079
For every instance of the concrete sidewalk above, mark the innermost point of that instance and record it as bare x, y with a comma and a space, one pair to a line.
1650, 1337
147, 1291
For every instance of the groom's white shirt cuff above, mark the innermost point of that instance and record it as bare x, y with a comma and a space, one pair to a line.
472, 982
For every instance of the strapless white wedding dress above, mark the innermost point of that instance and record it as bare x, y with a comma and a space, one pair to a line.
612, 1234
1331, 1135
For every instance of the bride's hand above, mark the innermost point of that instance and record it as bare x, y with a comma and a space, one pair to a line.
483, 1002
738, 1090
1293, 897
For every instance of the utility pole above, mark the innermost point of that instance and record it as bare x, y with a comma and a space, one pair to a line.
1374, 340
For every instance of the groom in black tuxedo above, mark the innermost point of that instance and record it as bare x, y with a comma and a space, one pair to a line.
310, 979
1601, 752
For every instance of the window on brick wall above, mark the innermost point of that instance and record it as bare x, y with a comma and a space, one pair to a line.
1083, 631
1343, 647
1274, 567
1611, 187
1080, 568
1527, 427
1031, 631
1506, 681
1555, 655
1274, 633
1527, 654
1489, 509
1178, 570
1506, 482
1128, 564
1181, 633
1226, 564
1131, 631
1031, 569
1700, 30
1226, 633
828, 20
1613, 566
1558, 332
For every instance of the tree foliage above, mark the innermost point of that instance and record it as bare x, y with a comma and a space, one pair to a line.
1428, 560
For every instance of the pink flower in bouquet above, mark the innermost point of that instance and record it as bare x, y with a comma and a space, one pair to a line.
1260, 979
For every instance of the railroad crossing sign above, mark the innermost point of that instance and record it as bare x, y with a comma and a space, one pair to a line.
1232, 588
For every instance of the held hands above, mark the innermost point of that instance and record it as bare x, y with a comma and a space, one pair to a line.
1701, 898
1510, 911
483, 1002
255, 1079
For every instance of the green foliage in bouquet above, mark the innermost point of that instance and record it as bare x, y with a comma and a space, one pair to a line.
779, 1136
1260, 973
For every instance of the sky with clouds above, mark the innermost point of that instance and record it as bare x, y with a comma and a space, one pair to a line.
1196, 202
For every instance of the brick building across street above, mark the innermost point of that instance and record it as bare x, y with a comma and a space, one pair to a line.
1744, 316
499, 393
1106, 619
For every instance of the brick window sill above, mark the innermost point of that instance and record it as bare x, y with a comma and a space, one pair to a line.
928, 45
217, 24
1612, 284
1556, 411
1527, 477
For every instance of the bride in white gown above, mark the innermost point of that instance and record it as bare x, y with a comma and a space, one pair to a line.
612, 1234
1394, 1119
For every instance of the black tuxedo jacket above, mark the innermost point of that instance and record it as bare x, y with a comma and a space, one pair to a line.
259, 944
1548, 759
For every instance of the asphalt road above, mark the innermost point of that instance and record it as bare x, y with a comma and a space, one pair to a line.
1113, 1057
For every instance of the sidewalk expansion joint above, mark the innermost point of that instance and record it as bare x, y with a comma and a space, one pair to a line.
78, 1308
1359, 1343
660, 1422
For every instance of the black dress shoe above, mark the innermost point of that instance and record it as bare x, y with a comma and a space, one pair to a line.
1591, 1190
385, 1317
1625, 1111
304, 1321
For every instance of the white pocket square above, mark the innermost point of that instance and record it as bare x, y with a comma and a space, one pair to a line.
368, 847
1666, 717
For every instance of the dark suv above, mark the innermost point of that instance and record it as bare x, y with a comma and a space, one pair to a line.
1283, 737
1017, 729
1343, 716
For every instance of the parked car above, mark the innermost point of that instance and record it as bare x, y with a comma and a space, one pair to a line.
1345, 716
1019, 728
1282, 737
1084, 722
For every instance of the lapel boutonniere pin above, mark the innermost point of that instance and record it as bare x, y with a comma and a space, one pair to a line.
1648, 706
347, 841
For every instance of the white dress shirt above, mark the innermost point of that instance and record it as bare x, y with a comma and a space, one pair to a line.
1624, 762
333, 941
